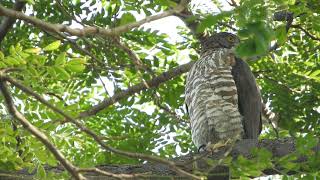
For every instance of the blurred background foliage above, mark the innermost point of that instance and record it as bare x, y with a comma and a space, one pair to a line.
153, 121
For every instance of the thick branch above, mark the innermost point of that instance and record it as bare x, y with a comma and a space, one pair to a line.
137, 88
88, 30
279, 148
8, 22
36, 132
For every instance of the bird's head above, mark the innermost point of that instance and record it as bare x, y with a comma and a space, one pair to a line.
219, 40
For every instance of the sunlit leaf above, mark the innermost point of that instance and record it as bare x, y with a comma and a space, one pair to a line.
127, 18
61, 59
53, 46
33, 50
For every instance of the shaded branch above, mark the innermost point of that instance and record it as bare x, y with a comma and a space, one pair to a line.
7, 22
88, 30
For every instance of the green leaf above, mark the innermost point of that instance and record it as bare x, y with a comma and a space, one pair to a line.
42, 155
2, 65
61, 73
41, 173
33, 50
40, 59
168, 3
211, 20
306, 143
207, 22
290, 165
291, 2
1, 55
52, 72
12, 50
77, 61
256, 38
281, 34
156, 61
127, 18
33, 71
315, 73
246, 49
52, 161
61, 59
53, 46
20, 60
30, 2
11, 61
76, 65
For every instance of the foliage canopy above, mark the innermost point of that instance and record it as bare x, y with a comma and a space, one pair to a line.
75, 73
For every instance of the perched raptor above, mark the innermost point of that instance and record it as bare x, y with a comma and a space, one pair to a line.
221, 94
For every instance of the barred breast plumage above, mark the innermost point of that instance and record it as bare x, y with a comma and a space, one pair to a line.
212, 100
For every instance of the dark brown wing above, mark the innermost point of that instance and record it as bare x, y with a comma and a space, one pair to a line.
249, 99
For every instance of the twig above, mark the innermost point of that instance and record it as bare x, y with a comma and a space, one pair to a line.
36, 132
228, 26
55, 95
118, 176
232, 3
306, 32
97, 138
138, 64
88, 30
64, 11
136, 60
166, 109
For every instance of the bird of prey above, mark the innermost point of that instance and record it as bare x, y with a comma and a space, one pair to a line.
221, 94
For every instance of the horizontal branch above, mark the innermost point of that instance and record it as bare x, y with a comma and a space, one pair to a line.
88, 30
278, 148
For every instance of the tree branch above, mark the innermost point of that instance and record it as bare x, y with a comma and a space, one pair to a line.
113, 175
137, 88
134, 57
88, 30
306, 32
97, 138
278, 148
8, 22
36, 132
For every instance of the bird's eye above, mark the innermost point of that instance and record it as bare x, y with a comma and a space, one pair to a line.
230, 39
